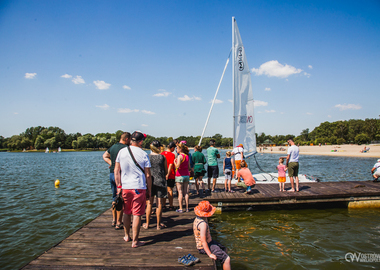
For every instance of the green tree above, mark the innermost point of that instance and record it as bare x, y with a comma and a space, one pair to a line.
39, 143
362, 138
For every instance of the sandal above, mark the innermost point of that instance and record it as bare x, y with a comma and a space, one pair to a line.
185, 261
119, 227
113, 223
192, 258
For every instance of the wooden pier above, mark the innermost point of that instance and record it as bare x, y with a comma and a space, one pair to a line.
311, 194
99, 246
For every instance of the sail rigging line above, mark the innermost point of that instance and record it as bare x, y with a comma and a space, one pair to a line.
258, 166
213, 102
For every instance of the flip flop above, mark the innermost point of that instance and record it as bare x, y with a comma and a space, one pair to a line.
113, 223
119, 227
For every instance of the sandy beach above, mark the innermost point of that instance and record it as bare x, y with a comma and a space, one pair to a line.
349, 150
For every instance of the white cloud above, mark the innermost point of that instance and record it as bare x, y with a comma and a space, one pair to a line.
308, 113
102, 85
270, 111
126, 87
230, 100
258, 103
217, 101
144, 125
67, 76
267, 89
310, 66
307, 74
78, 80
15, 113
163, 93
348, 107
103, 107
147, 112
275, 69
30, 75
126, 110
187, 98
329, 116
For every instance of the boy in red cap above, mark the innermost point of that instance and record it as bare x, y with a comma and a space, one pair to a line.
203, 240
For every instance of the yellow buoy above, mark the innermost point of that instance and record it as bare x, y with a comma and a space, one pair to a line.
56, 183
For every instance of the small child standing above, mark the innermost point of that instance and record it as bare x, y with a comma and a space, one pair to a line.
281, 174
247, 176
203, 240
228, 168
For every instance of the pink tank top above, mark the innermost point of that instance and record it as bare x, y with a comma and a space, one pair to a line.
281, 170
183, 169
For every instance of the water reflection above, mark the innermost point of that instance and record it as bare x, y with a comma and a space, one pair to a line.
298, 239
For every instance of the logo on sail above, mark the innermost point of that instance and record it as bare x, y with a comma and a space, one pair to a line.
246, 119
240, 58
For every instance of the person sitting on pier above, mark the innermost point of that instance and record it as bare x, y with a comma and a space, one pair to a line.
376, 171
203, 240
247, 176
133, 179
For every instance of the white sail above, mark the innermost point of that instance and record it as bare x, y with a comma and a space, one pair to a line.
243, 107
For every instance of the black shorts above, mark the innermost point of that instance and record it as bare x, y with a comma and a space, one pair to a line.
212, 171
159, 192
218, 250
171, 183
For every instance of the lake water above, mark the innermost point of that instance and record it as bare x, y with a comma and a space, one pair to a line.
34, 215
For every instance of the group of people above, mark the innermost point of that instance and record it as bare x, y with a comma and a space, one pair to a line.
139, 178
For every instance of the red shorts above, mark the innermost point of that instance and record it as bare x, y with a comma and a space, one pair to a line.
134, 204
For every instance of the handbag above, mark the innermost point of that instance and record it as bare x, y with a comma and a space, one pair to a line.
118, 202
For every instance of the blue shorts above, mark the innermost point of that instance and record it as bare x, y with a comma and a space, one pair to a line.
113, 186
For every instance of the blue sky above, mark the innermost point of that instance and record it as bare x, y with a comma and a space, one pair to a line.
154, 66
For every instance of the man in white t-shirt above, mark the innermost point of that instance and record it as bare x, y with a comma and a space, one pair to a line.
133, 179
292, 164
238, 155
376, 171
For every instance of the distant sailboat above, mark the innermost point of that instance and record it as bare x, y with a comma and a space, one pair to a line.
59, 149
47, 150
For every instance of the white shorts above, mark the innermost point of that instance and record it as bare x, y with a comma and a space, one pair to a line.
377, 173
228, 174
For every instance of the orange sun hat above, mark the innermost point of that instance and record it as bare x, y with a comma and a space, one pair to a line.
204, 209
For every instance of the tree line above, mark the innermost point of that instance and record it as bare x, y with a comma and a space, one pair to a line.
339, 132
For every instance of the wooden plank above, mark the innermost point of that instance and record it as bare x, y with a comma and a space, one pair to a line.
99, 246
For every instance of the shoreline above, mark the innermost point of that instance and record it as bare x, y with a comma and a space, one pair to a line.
330, 150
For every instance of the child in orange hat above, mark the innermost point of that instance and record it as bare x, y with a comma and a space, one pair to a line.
203, 240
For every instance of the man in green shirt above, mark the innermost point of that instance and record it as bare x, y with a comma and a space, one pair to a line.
109, 156
213, 169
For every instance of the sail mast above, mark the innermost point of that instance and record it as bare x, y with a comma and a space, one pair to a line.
233, 81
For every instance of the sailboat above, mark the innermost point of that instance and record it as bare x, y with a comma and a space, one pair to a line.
243, 107
47, 150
